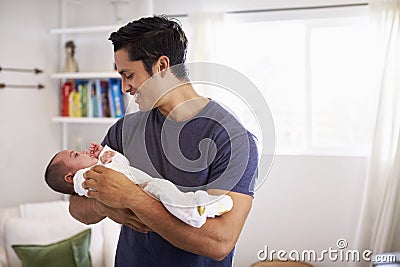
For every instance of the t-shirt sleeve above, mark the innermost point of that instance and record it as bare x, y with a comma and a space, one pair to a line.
113, 137
247, 183
235, 167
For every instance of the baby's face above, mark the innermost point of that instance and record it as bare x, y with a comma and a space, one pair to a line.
77, 160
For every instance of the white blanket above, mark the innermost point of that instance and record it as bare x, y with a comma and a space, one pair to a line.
192, 208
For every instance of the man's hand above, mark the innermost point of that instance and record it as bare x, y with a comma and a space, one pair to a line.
110, 187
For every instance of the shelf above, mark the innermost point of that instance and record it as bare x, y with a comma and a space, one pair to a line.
65, 121
84, 120
85, 75
90, 29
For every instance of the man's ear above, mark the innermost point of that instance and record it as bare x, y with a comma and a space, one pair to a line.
162, 65
69, 178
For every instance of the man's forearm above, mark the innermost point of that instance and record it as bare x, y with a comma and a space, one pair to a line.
215, 239
91, 211
85, 210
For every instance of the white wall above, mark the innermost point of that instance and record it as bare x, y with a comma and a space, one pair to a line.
28, 138
307, 202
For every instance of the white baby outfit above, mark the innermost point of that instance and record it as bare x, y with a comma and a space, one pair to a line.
192, 208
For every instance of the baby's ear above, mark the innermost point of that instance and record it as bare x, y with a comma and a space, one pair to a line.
69, 178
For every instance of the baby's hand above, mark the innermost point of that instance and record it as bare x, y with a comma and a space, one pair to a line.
95, 149
107, 157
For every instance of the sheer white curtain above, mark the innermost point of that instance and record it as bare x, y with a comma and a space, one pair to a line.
205, 27
379, 217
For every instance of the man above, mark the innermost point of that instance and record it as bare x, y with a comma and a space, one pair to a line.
166, 139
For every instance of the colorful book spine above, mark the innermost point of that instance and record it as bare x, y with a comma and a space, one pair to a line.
90, 108
117, 99
111, 103
104, 98
99, 104
74, 104
66, 90
82, 88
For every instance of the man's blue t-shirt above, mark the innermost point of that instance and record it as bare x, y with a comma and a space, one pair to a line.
210, 151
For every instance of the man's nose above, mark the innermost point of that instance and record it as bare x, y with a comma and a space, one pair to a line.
126, 87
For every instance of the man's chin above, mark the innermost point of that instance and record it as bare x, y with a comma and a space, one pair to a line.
144, 108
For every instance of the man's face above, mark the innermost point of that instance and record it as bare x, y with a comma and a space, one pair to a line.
77, 160
134, 76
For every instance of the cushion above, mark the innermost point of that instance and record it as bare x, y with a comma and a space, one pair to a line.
4, 214
24, 231
72, 252
43, 209
111, 232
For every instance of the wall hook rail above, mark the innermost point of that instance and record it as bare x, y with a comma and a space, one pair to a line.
35, 70
22, 86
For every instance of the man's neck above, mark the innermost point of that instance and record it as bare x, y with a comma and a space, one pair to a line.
182, 103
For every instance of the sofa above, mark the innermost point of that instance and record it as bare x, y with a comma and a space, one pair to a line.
45, 223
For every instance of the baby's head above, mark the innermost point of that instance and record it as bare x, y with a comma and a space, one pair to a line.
62, 167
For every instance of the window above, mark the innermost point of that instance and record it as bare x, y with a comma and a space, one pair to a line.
314, 74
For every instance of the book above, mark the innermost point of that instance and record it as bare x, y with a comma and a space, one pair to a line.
111, 100
91, 100
74, 104
104, 98
99, 105
82, 88
66, 90
117, 97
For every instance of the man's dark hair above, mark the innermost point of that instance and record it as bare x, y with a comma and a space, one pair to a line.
54, 176
149, 38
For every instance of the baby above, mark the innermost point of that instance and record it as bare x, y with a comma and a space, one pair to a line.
65, 171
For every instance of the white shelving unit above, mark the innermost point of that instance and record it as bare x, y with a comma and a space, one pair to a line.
66, 121
84, 121
85, 75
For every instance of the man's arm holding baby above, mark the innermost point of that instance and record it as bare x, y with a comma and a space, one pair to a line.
85, 210
215, 239
91, 211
